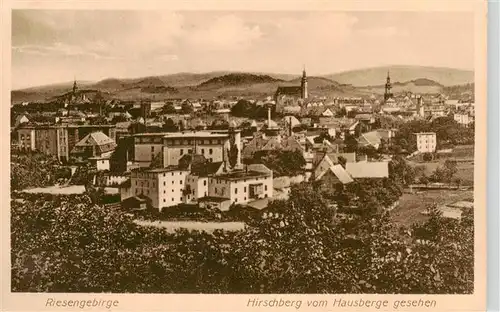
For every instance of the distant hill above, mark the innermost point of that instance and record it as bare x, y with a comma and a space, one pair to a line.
376, 76
420, 85
239, 79
224, 83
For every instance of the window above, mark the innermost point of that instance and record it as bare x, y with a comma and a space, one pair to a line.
210, 151
164, 176
164, 200
172, 199
202, 151
235, 191
172, 181
190, 151
164, 183
265, 187
205, 183
245, 189
180, 182
152, 149
164, 192
172, 174
182, 151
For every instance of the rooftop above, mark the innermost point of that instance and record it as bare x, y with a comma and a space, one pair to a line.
368, 169
158, 170
241, 175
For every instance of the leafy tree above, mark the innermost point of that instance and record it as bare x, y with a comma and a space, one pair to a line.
341, 113
157, 161
168, 108
401, 171
427, 157
322, 137
242, 108
383, 147
351, 144
446, 172
342, 161
186, 108
170, 126
283, 163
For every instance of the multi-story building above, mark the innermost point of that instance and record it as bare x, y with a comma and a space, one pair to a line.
172, 146
239, 187
58, 139
163, 186
463, 118
26, 138
198, 180
426, 142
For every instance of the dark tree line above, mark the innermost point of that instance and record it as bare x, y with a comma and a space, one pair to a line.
68, 244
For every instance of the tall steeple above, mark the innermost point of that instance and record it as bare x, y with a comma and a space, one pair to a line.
75, 88
303, 84
388, 94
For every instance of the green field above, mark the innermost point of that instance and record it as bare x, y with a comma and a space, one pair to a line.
464, 155
412, 204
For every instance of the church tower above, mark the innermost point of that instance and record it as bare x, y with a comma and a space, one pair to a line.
75, 88
303, 84
388, 94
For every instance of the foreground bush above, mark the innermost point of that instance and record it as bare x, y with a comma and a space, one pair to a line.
71, 245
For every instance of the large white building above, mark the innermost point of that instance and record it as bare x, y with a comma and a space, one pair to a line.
463, 118
196, 180
214, 145
426, 142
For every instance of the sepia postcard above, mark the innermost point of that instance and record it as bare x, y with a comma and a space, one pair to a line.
244, 155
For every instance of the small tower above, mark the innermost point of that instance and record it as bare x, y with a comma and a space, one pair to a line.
420, 107
388, 87
75, 88
303, 84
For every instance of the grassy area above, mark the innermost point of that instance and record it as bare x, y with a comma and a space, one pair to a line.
465, 169
412, 204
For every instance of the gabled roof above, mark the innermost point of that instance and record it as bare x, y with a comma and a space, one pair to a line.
95, 138
370, 138
368, 169
363, 116
102, 142
338, 171
292, 120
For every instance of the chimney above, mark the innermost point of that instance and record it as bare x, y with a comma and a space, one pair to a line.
269, 115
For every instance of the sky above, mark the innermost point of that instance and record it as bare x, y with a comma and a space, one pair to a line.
61, 45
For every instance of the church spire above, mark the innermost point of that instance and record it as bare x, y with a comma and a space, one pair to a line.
303, 84
75, 88
388, 87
